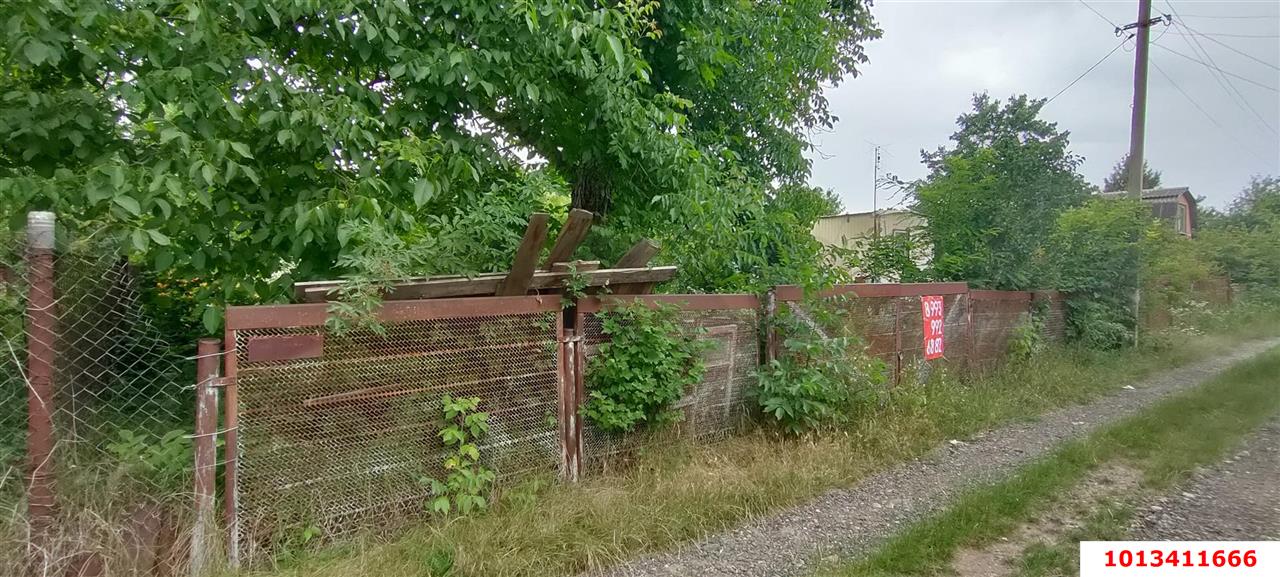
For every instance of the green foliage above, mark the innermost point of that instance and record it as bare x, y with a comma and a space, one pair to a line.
575, 286
1118, 180
162, 461
818, 380
1245, 242
1095, 249
892, 257
1028, 339
239, 143
644, 367
992, 199
466, 481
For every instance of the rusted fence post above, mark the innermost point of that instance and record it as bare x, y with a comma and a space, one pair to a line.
772, 340
231, 450
208, 358
41, 334
570, 437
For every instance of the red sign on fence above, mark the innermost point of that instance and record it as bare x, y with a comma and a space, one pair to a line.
931, 308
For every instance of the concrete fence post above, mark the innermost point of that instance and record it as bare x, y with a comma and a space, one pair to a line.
41, 351
208, 360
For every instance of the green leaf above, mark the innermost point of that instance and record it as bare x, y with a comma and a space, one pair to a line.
163, 259
37, 52
129, 204
158, 237
423, 191
211, 319
615, 45
139, 239
242, 149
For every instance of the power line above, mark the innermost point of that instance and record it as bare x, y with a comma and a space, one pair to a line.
1230, 47
1104, 18
1086, 72
1232, 74
1231, 35
1203, 111
1233, 88
1216, 17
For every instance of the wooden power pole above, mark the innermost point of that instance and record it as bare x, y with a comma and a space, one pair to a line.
1138, 125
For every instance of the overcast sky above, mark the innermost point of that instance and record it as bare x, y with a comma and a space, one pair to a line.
935, 54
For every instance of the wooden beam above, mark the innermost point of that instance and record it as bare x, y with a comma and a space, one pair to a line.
579, 265
639, 255
488, 285
574, 232
526, 261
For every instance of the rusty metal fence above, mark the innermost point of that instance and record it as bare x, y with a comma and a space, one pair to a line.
977, 324
327, 432
334, 432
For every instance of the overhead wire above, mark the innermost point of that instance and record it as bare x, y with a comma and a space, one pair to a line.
1202, 110
1232, 90
1090, 69
1230, 47
1100, 15
1211, 67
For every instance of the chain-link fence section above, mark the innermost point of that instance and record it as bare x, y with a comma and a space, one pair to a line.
101, 401
339, 432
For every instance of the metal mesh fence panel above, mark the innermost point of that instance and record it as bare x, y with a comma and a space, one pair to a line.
339, 433
955, 334
994, 320
712, 408
119, 402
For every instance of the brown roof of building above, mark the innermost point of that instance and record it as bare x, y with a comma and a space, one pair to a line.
1157, 195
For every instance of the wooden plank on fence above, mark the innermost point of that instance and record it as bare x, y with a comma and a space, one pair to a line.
487, 285
526, 260
578, 265
574, 232
639, 254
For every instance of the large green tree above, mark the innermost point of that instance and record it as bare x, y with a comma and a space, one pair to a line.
233, 141
992, 198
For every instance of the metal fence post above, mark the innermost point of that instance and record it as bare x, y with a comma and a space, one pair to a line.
41, 335
772, 340
231, 450
208, 357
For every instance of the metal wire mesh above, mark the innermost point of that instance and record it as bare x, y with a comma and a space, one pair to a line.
710, 409
955, 336
120, 407
344, 440
993, 323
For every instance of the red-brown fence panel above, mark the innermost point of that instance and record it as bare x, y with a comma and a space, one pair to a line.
339, 431
993, 317
712, 408
888, 318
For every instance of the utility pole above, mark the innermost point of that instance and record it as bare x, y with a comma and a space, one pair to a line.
875, 194
1138, 126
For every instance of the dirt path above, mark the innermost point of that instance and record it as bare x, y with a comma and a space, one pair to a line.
1236, 500
845, 522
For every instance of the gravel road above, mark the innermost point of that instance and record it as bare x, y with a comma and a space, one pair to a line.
846, 522
1237, 499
